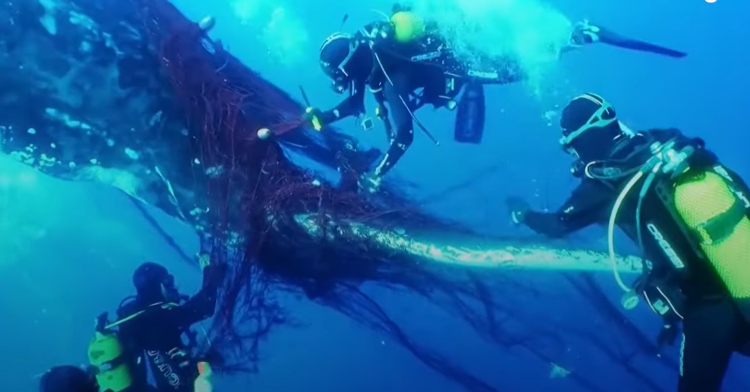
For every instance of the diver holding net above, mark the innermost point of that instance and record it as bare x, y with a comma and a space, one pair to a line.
407, 63
688, 213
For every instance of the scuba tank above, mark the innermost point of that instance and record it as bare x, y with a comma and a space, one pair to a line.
715, 212
106, 355
704, 201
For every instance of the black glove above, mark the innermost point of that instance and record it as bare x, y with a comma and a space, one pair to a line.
101, 322
518, 209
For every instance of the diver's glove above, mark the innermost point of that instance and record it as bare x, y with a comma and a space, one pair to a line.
584, 33
518, 209
315, 117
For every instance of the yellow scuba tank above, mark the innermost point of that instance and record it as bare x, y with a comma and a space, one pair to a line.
710, 208
408, 26
106, 354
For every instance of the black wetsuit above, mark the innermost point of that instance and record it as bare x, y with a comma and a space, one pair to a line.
154, 338
713, 327
396, 71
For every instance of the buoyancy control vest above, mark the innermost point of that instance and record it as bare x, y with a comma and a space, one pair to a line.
686, 203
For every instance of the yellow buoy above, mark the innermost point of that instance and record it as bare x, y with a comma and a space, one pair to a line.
709, 207
106, 354
407, 26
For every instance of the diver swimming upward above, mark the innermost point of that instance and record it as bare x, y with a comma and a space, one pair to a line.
690, 216
144, 350
398, 57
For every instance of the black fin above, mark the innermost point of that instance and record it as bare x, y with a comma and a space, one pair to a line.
469, 126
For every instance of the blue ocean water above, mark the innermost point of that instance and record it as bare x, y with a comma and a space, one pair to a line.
69, 249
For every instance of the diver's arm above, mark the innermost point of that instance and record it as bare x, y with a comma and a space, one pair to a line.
512, 72
203, 304
583, 208
353, 105
504, 71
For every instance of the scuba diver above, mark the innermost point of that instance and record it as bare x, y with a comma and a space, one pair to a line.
690, 216
405, 54
146, 341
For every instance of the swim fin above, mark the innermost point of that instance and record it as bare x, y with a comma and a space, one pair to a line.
470, 116
611, 38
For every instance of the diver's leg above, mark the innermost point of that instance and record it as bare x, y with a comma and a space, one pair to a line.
711, 333
397, 96
587, 33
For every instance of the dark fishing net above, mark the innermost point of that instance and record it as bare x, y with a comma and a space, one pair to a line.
281, 228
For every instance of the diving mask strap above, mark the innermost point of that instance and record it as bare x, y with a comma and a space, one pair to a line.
595, 121
353, 46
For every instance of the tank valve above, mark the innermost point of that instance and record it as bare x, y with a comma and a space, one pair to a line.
264, 133
630, 300
207, 23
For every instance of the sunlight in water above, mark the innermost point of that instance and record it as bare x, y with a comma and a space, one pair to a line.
21, 212
276, 27
529, 31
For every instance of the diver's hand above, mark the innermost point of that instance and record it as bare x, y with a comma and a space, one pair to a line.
584, 33
314, 116
102, 321
518, 209
381, 111
204, 260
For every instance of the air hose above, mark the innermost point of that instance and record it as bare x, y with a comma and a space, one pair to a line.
665, 160
630, 299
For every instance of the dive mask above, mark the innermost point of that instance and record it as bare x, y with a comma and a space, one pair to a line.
596, 120
340, 82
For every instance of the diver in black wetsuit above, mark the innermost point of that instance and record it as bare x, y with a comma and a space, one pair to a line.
376, 57
395, 58
688, 213
146, 341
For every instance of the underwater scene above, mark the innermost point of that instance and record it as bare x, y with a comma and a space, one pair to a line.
424, 196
